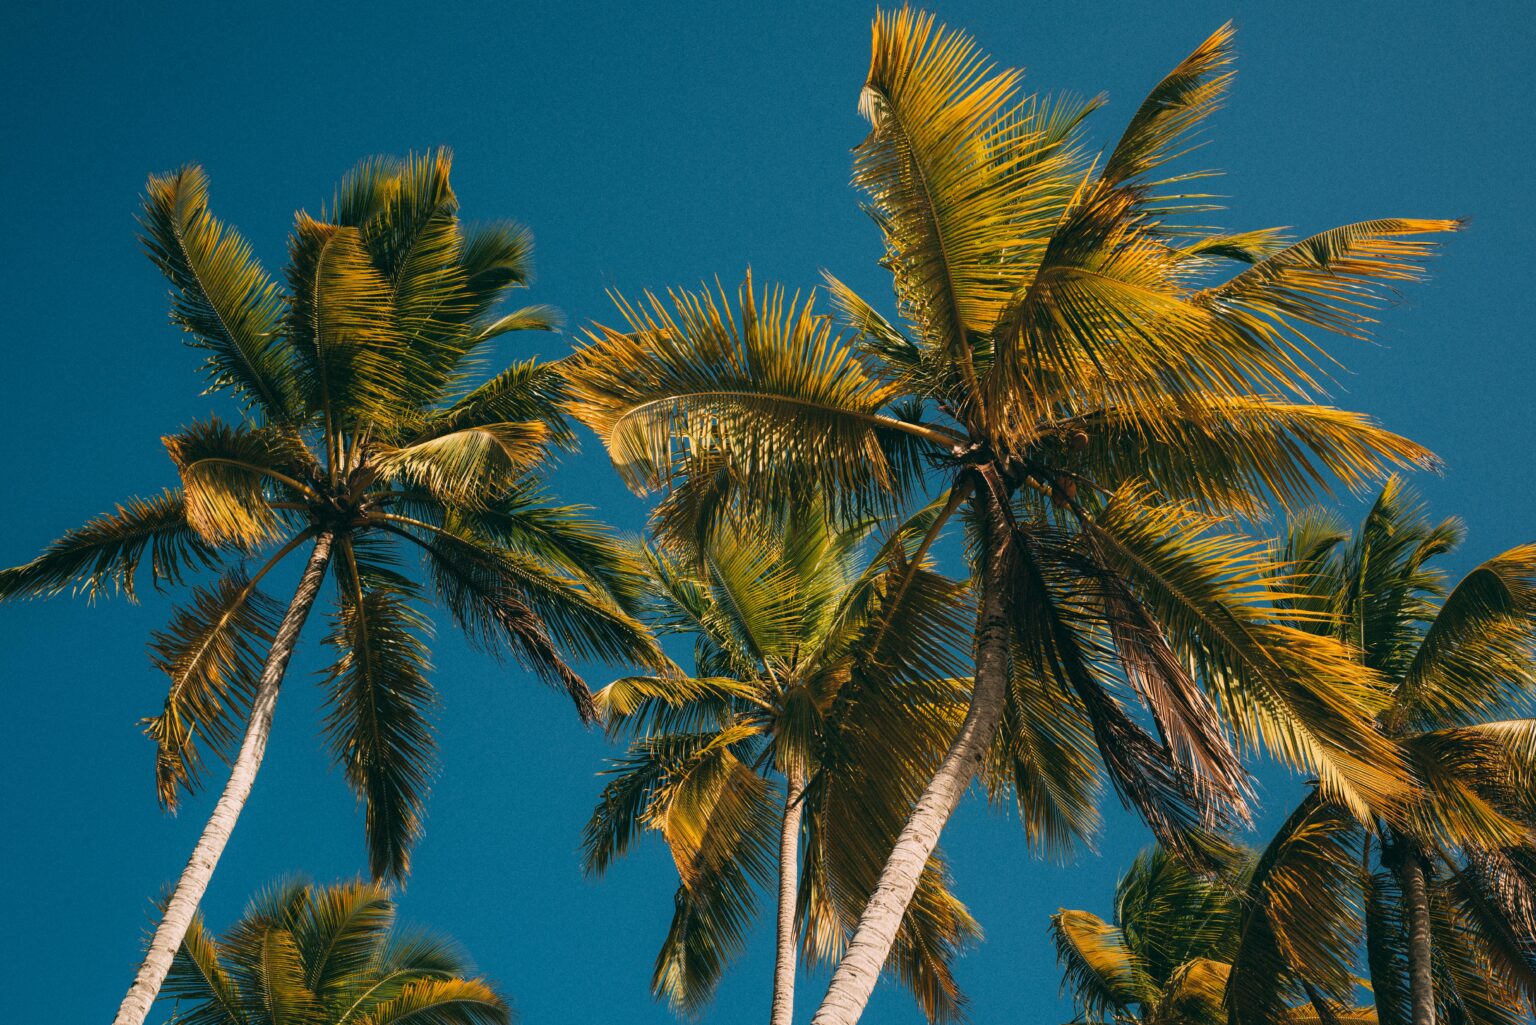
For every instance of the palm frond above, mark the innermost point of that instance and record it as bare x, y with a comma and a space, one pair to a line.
444, 1002
229, 475
775, 388
1105, 976
103, 555
221, 296
1305, 698
1332, 280
379, 705
213, 650
1302, 909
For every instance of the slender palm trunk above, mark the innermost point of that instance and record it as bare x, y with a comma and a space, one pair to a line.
242, 774
783, 1011
857, 972
1421, 985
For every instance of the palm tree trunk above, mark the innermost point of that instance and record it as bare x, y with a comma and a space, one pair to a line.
242, 774
783, 1011
857, 972
1421, 985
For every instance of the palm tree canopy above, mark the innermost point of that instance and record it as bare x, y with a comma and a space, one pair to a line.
826, 656
1459, 663
1167, 957
1067, 349
362, 416
329, 955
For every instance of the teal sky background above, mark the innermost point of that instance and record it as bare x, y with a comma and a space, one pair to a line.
646, 145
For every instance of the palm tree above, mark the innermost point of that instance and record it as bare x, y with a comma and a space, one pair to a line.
331, 955
1446, 897
1166, 957
824, 697
1070, 366
361, 438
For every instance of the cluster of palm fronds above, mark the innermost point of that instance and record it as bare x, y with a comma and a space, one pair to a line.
1083, 397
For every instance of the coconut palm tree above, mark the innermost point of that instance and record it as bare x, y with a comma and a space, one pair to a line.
1075, 369
1446, 897
1166, 956
329, 955
824, 697
362, 439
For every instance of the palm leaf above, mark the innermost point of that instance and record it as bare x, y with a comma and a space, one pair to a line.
221, 296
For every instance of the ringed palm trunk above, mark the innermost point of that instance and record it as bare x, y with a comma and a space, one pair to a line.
242, 774
859, 970
783, 1011
1421, 985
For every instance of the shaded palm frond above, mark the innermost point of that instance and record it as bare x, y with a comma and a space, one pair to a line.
212, 650
103, 556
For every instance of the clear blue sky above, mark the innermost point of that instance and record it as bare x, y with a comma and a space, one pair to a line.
645, 148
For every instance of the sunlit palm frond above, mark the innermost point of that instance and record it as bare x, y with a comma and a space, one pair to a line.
460, 466
1105, 976
103, 556
231, 473
1242, 452
341, 936
772, 385
221, 296
965, 179
1332, 280
1162, 125
443, 1002
1475, 657
1303, 697
538, 317
354, 365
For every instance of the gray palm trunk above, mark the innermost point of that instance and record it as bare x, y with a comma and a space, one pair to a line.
179, 910
859, 970
1421, 985
783, 1011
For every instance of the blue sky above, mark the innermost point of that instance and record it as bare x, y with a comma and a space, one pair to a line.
645, 148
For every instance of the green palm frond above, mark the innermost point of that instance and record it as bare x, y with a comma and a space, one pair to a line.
353, 363
307, 955
378, 721
1332, 280
1303, 907
444, 1002
1474, 659
1219, 597
1105, 976
459, 466
231, 473
1241, 452
772, 385
212, 650
103, 556
1162, 125
221, 296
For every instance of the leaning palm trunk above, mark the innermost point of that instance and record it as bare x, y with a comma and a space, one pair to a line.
1421, 985
859, 970
180, 909
783, 1011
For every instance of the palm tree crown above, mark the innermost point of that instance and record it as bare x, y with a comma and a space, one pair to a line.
329, 955
1445, 897
361, 422
826, 694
